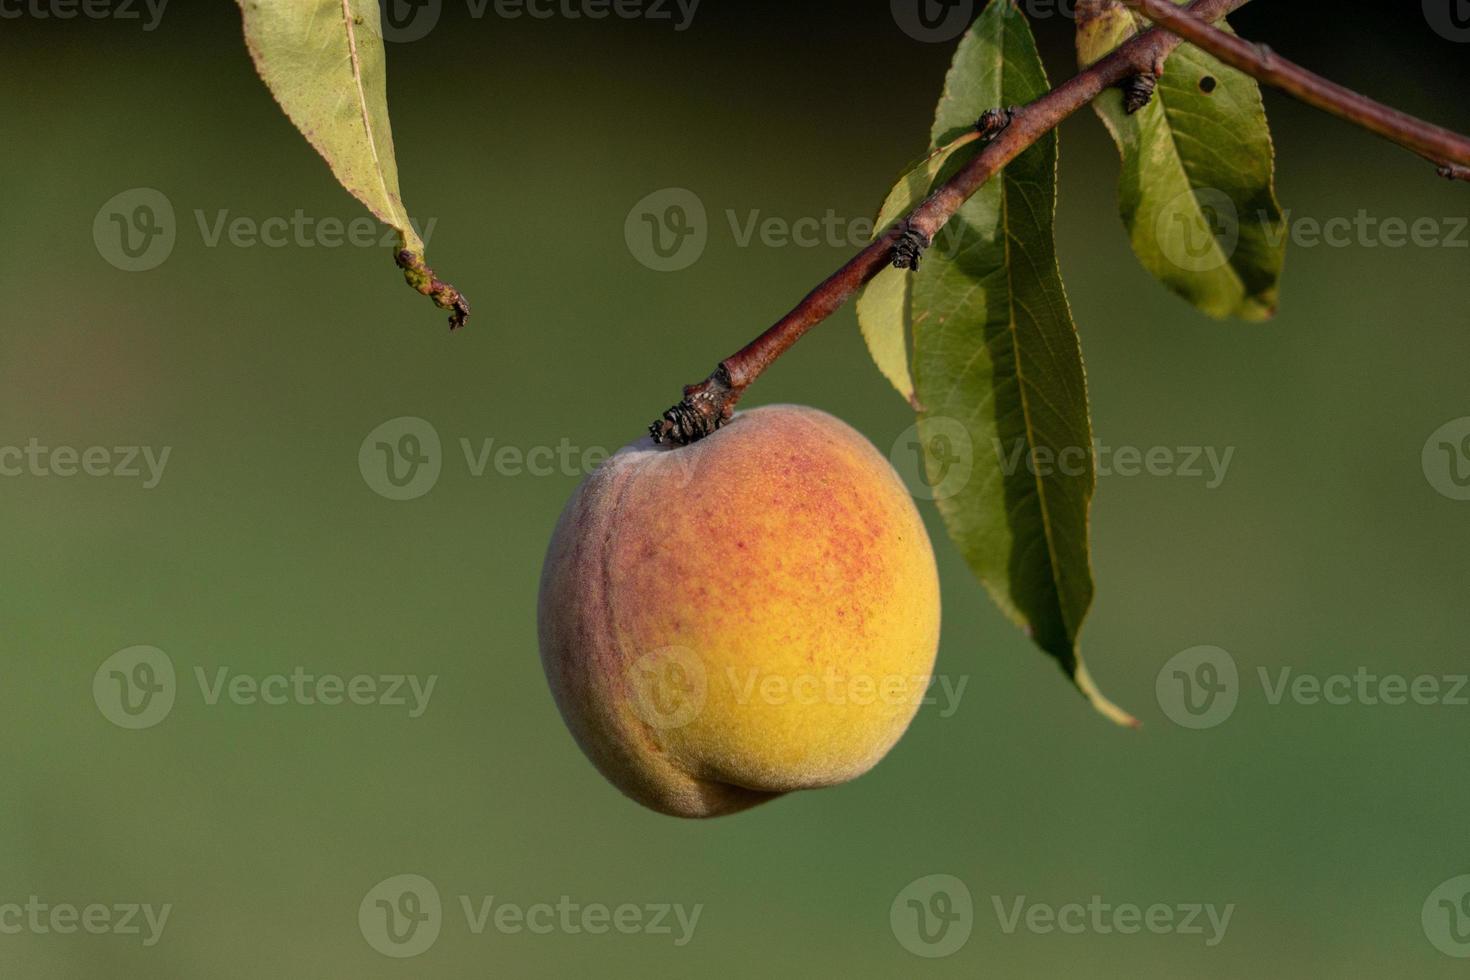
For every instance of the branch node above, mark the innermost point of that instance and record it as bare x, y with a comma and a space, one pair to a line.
993, 122
909, 247
1454, 171
1138, 91
706, 407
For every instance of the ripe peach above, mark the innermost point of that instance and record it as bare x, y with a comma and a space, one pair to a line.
749, 615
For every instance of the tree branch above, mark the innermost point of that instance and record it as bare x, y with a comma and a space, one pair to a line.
1449, 151
709, 404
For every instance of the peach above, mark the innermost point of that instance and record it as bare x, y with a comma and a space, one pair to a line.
752, 614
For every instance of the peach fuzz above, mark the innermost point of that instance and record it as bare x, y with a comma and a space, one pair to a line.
752, 614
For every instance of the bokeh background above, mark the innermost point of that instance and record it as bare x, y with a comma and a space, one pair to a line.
263, 549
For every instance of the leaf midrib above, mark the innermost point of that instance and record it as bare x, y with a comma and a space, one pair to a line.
349, 22
1021, 383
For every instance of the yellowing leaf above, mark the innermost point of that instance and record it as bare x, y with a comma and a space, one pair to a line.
323, 60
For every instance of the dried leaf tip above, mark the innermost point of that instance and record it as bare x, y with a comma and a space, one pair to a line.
418, 275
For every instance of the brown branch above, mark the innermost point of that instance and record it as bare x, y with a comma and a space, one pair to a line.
709, 404
1447, 150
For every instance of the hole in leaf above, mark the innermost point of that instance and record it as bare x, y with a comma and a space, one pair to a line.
1207, 84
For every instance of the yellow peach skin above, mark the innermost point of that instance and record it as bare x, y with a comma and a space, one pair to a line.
752, 614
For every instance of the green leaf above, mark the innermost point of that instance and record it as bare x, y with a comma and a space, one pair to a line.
323, 61
882, 305
1197, 189
998, 367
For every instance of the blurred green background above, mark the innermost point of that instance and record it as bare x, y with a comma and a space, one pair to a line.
263, 549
